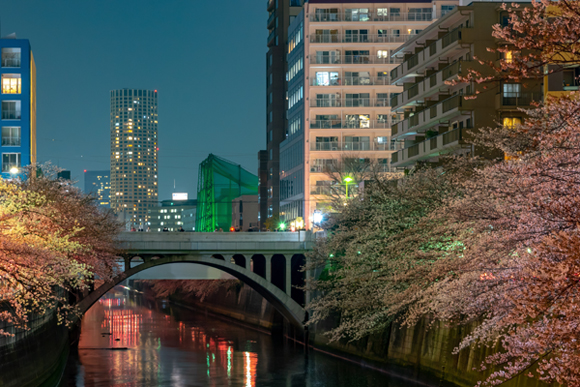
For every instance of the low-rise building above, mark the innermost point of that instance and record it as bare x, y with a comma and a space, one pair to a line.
245, 213
18, 105
439, 117
99, 184
188, 218
169, 215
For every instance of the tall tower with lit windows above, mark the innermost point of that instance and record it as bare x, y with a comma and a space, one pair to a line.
134, 154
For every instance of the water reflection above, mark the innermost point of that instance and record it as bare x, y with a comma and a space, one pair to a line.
127, 341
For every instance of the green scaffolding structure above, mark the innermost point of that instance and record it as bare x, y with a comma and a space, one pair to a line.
219, 182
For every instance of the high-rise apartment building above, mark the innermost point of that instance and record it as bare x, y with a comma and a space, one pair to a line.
99, 184
440, 118
281, 14
340, 55
18, 105
134, 150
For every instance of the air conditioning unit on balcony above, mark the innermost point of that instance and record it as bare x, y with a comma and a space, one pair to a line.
334, 148
312, 169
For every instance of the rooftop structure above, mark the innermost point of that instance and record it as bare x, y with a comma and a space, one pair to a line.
220, 182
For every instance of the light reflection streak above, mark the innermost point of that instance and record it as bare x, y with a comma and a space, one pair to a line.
119, 324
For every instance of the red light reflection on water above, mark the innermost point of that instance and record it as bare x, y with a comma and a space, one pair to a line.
113, 323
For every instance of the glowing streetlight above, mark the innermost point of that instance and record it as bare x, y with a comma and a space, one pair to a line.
14, 170
347, 179
282, 226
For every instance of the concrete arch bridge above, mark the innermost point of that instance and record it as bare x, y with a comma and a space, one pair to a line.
268, 262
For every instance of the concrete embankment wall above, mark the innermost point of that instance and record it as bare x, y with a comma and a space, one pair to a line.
35, 357
242, 304
420, 353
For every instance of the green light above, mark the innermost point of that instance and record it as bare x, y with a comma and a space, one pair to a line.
347, 179
282, 226
331, 256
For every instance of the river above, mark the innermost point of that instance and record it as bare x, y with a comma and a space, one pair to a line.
129, 341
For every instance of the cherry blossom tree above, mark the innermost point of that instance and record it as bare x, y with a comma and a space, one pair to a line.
537, 38
200, 289
53, 241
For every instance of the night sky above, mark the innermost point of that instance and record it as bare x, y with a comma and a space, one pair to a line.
205, 58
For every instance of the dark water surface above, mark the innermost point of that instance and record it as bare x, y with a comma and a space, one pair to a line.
164, 345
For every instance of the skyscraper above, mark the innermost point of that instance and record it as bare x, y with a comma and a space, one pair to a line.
99, 183
281, 14
134, 153
18, 97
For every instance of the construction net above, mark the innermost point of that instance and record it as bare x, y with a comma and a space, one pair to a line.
219, 182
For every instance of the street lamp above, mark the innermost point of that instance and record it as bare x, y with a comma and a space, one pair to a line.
347, 179
14, 170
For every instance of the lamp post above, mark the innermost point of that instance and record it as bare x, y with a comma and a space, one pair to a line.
347, 179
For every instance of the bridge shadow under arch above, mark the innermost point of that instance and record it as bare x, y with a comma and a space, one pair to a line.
283, 302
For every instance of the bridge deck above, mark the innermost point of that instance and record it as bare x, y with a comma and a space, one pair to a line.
223, 242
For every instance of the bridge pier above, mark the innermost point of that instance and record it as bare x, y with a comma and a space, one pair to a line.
288, 275
268, 267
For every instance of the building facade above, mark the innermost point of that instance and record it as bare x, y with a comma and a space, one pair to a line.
99, 184
18, 105
263, 188
245, 213
440, 118
170, 216
280, 14
340, 55
134, 150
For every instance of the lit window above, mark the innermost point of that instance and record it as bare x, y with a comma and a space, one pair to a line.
511, 122
10, 160
508, 56
11, 84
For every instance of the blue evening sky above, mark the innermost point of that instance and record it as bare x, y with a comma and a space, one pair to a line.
205, 58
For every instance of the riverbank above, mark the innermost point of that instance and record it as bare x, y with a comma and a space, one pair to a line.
415, 353
35, 357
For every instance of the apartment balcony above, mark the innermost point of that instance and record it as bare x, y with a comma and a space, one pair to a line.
432, 115
11, 115
271, 20
344, 124
337, 190
350, 146
382, 38
428, 87
351, 81
429, 148
372, 17
272, 38
349, 102
436, 52
516, 100
352, 59
9, 61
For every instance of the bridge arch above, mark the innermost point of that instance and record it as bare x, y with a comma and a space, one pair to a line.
283, 302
